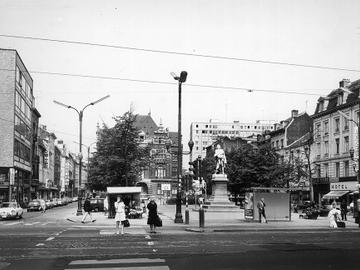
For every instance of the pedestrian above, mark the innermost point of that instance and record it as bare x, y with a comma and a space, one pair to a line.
120, 216
261, 207
343, 207
87, 210
43, 206
152, 215
106, 205
333, 215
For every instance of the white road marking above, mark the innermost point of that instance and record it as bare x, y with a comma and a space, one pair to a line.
40, 244
150, 243
13, 223
157, 267
50, 238
147, 237
113, 261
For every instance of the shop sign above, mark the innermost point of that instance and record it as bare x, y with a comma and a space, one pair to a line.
12, 176
352, 185
166, 187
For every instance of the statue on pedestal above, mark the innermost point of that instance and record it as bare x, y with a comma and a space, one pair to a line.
220, 160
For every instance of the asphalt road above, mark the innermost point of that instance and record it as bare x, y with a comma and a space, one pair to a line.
60, 245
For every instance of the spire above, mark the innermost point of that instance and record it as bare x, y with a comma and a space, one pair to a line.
149, 114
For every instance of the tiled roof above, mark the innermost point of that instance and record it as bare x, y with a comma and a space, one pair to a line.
146, 124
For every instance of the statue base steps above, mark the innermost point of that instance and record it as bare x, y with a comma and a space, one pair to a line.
219, 201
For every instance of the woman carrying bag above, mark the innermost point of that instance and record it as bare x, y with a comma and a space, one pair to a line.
120, 217
153, 218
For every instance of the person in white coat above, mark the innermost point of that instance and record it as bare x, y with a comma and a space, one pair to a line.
120, 216
333, 215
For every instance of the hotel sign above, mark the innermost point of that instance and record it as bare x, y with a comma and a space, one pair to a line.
351, 186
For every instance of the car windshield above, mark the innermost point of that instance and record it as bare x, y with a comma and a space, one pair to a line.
8, 204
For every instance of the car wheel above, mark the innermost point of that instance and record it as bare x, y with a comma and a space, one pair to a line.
20, 217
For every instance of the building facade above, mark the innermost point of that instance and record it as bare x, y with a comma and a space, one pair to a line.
204, 134
16, 105
335, 134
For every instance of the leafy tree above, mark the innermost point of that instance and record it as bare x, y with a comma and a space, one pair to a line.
249, 166
119, 158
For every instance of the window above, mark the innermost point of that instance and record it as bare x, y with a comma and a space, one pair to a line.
321, 106
346, 168
326, 148
346, 144
326, 127
206, 126
282, 143
277, 144
337, 169
318, 130
17, 74
337, 124
318, 171
340, 98
337, 146
346, 122
197, 126
326, 169
318, 149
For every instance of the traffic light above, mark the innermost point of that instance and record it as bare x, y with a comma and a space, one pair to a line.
193, 170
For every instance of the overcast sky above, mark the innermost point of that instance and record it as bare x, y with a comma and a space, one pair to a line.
324, 33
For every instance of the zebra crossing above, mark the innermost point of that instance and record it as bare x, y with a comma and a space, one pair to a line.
119, 264
22, 223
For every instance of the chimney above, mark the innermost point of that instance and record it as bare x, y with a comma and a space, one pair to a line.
294, 113
344, 83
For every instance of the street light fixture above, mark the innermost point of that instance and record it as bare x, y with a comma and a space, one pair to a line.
80, 113
181, 79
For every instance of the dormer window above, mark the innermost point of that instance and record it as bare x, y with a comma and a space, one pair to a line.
321, 106
340, 98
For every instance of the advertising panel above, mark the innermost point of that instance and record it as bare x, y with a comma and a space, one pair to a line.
249, 206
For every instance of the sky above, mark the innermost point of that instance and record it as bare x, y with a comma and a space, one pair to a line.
321, 33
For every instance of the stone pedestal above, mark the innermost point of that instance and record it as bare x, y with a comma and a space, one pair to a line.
219, 201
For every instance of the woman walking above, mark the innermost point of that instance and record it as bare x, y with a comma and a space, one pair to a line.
120, 215
152, 215
333, 215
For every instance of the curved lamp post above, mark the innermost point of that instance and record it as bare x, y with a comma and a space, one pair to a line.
80, 113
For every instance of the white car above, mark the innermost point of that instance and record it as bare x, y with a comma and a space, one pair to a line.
10, 210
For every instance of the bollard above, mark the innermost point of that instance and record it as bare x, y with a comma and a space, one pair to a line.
186, 216
201, 217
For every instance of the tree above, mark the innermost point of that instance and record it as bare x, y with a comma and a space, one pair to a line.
119, 159
249, 166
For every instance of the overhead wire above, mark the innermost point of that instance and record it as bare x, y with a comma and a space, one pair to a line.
179, 53
171, 83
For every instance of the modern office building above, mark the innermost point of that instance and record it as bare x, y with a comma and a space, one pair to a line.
204, 134
16, 109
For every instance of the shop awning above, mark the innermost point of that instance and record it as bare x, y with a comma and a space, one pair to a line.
334, 194
123, 190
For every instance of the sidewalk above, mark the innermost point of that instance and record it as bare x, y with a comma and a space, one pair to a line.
214, 222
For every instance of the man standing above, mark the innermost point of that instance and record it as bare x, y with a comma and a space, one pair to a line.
261, 207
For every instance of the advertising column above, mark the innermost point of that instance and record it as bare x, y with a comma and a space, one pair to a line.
249, 206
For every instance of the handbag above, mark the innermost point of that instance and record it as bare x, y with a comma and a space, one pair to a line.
158, 222
126, 223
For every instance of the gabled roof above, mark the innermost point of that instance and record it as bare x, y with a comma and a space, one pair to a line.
146, 124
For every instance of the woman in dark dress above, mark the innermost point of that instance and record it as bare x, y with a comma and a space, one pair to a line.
152, 215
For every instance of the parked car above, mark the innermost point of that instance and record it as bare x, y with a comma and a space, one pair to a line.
75, 199
97, 204
49, 204
10, 210
34, 205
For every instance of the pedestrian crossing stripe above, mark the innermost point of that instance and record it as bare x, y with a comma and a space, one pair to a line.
119, 264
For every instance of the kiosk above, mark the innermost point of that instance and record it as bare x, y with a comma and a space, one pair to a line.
130, 196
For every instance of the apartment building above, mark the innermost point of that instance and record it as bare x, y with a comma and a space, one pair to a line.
204, 134
334, 136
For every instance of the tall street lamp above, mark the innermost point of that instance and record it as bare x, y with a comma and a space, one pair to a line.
80, 113
178, 216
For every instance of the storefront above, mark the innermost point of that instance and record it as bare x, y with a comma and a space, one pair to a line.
340, 191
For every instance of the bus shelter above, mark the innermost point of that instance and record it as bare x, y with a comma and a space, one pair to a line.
129, 195
277, 202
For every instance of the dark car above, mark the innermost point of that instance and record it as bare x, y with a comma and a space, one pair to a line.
97, 204
34, 205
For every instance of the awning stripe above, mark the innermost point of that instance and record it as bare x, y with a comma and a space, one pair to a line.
334, 194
